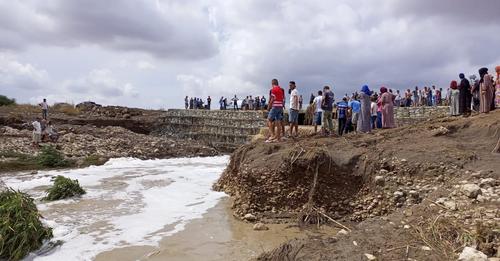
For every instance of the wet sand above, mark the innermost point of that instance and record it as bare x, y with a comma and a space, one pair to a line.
216, 236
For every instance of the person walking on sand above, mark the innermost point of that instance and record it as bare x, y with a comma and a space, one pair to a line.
455, 99
294, 109
275, 115
363, 124
485, 91
37, 132
387, 101
318, 112
327, 107
45, 109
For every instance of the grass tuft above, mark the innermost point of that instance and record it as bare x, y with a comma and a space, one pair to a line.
21, 230
64, 188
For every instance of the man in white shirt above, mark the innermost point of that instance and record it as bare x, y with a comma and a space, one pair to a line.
37, 132
294, 109
45, 109
318, 111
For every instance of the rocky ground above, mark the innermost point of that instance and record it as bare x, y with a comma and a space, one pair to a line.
96, 131
414, 193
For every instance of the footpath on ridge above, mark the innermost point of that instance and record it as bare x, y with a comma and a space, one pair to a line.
419, 192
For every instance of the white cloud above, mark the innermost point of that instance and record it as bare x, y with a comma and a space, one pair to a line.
17, 75
145, 65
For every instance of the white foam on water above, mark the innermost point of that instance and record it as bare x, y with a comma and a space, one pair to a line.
128, 202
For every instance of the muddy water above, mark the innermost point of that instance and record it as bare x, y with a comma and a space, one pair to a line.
147, 210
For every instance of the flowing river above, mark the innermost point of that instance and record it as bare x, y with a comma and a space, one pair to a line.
146, 210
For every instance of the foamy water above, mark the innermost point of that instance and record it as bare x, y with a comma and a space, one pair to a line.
129, 202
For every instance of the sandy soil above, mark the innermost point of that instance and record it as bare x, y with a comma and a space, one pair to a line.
217, 236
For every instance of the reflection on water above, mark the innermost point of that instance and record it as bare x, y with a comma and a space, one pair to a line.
129, 202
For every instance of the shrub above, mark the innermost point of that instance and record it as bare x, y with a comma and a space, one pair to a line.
51, 157
64, 188
4, 101
21, 230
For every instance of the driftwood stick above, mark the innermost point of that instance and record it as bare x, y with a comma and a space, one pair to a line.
333, 220
497, 147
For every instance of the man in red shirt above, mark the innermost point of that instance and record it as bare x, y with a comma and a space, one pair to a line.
275, 107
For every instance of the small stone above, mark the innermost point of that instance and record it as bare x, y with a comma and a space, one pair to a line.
451, 205
471, 254
260, 227
471, 190
379, 180
355, 243
406, 226
426, 248
408, 212
249, 217
342, 232
370, 256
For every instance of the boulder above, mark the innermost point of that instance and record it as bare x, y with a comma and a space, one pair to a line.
379, 180
471, 254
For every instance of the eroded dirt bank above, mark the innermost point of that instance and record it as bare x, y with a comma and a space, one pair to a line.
421, 192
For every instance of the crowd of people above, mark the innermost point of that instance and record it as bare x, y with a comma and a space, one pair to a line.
367, 110
195, 103
43, 129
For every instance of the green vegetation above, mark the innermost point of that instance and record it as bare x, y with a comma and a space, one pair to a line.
15, 161
52, 158
64, 188
21, 230
4, 101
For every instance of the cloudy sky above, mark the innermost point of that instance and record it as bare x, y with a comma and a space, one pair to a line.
150, 54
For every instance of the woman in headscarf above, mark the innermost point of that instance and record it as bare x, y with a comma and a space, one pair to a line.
497, 87
363, 124
485, 91
386, 100
454, 99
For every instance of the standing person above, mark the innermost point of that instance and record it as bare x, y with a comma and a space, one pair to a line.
342, 107
415, 97
439, 98
263, 101
434, 95
311, 99
318, 111
497, 88
37, 132
355, 107
485, 91
363, 124
464, 95
387, 109
209, 102
408, 98
275, 115
301, 100
327, 107
250, 103
397, 100
45, 109
374, 112
235, 103
186, 103
293, 114
191, 103
455, 99
221, 103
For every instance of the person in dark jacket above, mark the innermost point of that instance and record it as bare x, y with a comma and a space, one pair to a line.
465, 96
